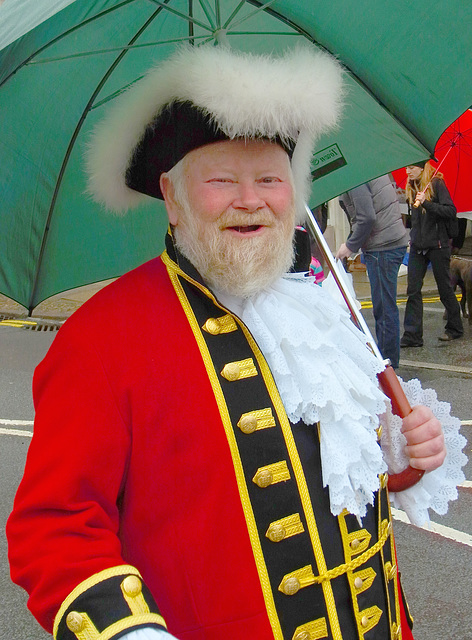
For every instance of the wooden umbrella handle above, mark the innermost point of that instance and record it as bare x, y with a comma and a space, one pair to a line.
392, 388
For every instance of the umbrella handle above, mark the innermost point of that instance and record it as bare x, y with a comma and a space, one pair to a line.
388, 380
392, 388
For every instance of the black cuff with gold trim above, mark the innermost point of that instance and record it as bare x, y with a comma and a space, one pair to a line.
107, 605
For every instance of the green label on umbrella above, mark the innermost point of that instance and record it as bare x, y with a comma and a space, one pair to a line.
327, 160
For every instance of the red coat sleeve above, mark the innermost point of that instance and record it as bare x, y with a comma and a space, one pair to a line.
65, 511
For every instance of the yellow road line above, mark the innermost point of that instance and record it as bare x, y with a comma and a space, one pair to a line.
16, 323
367, 304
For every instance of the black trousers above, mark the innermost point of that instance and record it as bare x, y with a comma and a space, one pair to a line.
417, 264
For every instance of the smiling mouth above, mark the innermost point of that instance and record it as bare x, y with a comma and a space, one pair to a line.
246, 229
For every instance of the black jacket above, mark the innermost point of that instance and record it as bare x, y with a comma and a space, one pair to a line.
428, 221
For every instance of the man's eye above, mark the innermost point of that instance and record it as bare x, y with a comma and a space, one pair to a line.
269, 179
220, 180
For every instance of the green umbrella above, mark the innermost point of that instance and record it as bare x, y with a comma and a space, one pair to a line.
409, 75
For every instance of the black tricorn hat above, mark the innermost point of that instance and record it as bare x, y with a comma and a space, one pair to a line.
178, 129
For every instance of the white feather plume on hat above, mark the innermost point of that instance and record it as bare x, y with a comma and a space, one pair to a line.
297, 96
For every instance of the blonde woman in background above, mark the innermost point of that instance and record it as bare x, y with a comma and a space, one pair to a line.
433, 215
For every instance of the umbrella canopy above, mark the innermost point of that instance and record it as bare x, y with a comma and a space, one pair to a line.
407, 80
453, 154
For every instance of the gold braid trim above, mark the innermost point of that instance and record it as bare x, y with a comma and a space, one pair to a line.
354, 564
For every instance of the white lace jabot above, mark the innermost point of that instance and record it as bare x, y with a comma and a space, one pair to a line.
325, 373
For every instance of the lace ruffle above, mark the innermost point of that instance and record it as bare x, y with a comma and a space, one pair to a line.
324, 373
436, 488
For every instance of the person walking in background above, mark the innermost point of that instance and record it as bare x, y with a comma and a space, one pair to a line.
433, 222
377, 228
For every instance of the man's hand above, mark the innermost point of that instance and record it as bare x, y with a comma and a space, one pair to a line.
343, 252
425, 439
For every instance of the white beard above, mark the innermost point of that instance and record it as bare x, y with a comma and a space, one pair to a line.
237, 266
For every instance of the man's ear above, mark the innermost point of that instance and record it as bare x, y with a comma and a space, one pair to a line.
168, 191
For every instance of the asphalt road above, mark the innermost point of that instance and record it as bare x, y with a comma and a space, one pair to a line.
435, 564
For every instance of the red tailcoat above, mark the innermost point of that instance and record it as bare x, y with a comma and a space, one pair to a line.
150, 451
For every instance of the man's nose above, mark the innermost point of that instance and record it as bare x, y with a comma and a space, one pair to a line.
248, 197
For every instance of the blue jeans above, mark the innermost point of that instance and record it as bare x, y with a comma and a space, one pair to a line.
382, 268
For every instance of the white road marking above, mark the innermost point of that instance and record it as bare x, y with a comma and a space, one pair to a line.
440, 529
10, 431
434, 365
15, 432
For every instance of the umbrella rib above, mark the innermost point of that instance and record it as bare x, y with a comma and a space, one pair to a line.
235, 12
63, 35
253, 13
84, 54
190, 24
181, 15
263, 33
80, 123
207, 10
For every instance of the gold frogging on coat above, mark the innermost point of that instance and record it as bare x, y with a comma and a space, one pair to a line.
285, 528
292, 582
81, 626
132, 590
223, 324
369, 618
314, 630
271, 474
239, 370
256, 420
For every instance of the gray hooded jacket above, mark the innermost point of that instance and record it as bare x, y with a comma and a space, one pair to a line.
375, 215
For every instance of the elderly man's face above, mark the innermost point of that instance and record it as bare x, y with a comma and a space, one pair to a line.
237, 219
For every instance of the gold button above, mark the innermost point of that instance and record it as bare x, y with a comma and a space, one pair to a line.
213, 326
302, 635
358, 582
248, 424
379, 431
396, 631
75, 622
231, 371
291, 586
389, 528
355, 543
392, 572
276, 532
365, 621
132, 586
263, 478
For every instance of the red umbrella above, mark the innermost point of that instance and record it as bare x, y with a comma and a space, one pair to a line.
453, 152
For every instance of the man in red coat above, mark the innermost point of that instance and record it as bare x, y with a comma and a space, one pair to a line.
213, 471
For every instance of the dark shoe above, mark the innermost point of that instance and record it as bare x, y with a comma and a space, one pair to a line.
446, 337
409, 343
